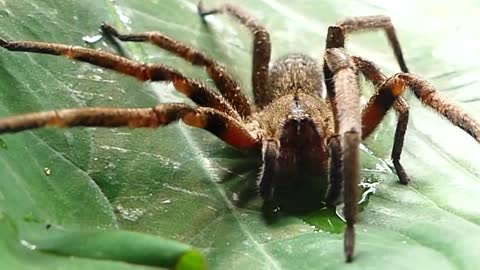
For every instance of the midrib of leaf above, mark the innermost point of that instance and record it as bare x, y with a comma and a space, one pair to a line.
214, 179
203, 161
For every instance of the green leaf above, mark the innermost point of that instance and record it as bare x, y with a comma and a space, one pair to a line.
179, 183
116, 245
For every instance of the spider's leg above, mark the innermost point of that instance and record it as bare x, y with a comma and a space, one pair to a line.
218, 123
223, 80
394, 87
335, 187
349, 127
265, 178
429, 96
402, 108
336, 34
389, 93
193, 89
261, 48
373, 74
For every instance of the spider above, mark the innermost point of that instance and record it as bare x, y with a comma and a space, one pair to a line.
296, 133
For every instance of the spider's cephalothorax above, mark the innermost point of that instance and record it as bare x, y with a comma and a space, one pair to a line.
296, 124
297, 133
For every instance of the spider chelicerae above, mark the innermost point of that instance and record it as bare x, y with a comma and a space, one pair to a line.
296, 133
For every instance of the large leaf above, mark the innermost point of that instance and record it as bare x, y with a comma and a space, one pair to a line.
179, 183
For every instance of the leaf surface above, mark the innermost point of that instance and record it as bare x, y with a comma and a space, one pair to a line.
179, 183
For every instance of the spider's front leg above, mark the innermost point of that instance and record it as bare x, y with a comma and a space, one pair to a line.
345, 99
193, 89
219, 124
223, 80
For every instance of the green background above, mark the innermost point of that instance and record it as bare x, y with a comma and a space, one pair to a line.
179, 183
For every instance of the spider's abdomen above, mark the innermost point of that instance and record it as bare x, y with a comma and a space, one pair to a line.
295, 73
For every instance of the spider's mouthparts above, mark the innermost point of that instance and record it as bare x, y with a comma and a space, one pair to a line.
301, 129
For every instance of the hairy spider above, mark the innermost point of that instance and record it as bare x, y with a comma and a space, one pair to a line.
296, 133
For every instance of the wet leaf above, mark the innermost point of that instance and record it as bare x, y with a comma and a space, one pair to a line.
180, 183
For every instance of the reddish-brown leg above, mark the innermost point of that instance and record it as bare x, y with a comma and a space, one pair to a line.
402, 108
220, 124
193, 89
429, 96
389, 94
223, 80
347, 114
261, 48
395, 86
373, 74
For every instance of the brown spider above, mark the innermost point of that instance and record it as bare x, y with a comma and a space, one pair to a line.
296, 133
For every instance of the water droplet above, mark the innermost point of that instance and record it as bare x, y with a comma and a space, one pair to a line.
368, 190
91, 39
69, 137
47, 171
131, 214
28, 245
96, 78
123, 17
